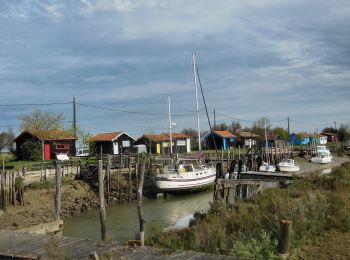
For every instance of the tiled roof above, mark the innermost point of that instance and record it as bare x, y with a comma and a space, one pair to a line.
224, 134
165, 136
247, 134
105, 136
330, 134
176, 135
315, 135
156, 138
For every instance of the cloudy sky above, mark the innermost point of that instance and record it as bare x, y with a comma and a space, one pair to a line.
274, 58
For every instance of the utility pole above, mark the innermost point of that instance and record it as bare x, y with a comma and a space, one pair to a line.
74, 119
335, 125
288, 127
214, 120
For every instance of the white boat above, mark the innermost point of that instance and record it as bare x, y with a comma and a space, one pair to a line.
288, 165
186, 174
62, 157
322, 156
266, 166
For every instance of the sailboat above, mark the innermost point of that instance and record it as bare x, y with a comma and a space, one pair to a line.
186, 173
322, 156
266, 166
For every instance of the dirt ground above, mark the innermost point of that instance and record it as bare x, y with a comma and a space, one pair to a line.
39, 205
332, 246
306, 166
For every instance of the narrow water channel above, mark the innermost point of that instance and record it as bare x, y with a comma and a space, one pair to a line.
122, 220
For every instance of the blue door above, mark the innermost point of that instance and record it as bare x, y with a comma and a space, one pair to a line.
225, 143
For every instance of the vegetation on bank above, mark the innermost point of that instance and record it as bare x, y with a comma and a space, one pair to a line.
317, 205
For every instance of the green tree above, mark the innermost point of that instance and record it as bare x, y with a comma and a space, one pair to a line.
6, 140
344, 132
235, 127
31, 151
193, 135
281, 132
41, 123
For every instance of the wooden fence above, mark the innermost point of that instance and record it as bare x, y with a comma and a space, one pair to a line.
8, 192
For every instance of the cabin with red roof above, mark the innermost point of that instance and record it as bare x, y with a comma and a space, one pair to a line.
113, 143
223, 140
49, 144
160, 143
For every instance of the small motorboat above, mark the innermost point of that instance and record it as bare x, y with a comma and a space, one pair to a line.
266, 167
62, 157
288, 165
323, 155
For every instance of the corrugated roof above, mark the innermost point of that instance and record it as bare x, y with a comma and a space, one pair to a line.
246, 134
105, 136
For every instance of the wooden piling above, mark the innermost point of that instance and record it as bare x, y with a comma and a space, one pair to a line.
58, 176
108, 174
130, 182
284, 237
141, 235
102, 201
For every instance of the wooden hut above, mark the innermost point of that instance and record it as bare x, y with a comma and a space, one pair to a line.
247, 139
223, 139
160, 143
112, 143
46, 146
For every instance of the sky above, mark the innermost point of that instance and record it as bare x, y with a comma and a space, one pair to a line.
258, 58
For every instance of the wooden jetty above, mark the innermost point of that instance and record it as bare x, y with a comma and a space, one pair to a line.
228, 190
17, 245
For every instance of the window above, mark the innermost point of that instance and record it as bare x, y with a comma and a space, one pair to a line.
126, 143
62, 146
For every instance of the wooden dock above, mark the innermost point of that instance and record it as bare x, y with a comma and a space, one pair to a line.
17, 245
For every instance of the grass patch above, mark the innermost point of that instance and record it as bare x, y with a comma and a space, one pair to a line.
316, 204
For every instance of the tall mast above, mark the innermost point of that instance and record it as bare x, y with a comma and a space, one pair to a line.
197, 107
266, 143
170, 126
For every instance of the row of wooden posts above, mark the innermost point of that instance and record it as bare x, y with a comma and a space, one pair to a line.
139, 239
9, 193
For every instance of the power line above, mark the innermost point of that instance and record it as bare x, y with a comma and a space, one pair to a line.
133, 112
35, 104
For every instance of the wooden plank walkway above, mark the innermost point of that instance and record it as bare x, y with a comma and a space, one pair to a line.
17, 245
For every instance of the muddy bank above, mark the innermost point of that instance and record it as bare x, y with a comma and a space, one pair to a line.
306, 166
77, 196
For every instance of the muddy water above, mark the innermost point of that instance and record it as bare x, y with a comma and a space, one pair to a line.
122, 220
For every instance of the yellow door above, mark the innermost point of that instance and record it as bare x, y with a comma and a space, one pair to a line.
158, 148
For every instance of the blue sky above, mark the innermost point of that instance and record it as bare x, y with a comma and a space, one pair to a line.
273, 58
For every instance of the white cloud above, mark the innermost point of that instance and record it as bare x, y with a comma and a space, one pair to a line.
53, 11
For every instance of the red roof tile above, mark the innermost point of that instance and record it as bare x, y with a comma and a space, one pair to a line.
245, 134
224, 134
105, 136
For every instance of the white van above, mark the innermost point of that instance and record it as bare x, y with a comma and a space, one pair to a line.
82, 152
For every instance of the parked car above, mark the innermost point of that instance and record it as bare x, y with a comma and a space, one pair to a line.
82, 152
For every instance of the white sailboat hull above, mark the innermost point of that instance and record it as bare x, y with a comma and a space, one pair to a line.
288, 168
267, 168
186, 181
287, 165
321, 160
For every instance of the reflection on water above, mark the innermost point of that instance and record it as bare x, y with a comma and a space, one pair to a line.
122, 220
